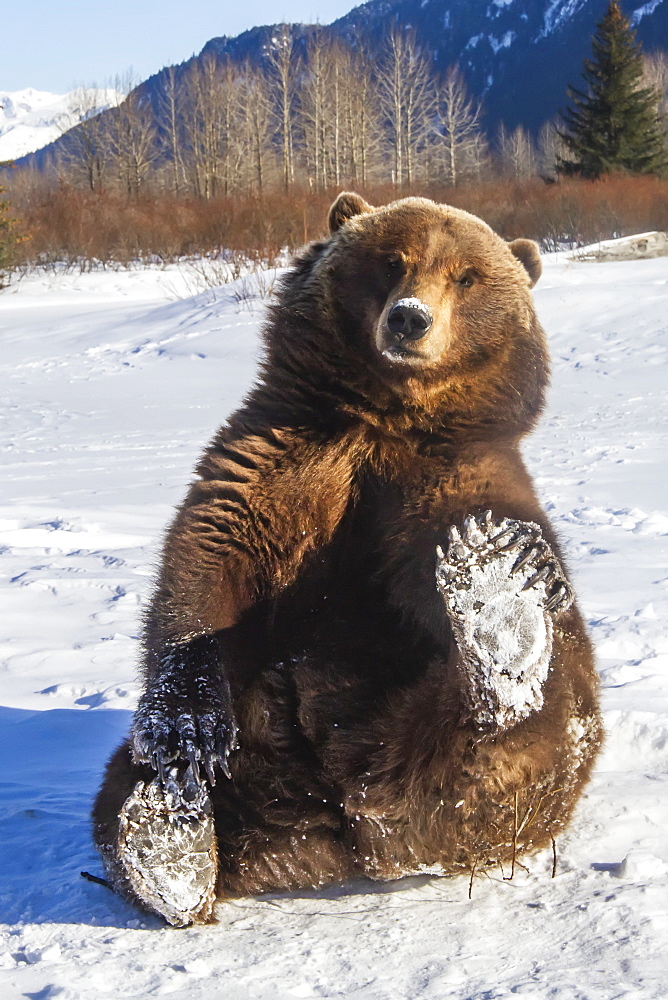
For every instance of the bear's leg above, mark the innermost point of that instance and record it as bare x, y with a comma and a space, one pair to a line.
157, 839
174, 848
501, 582
484, 756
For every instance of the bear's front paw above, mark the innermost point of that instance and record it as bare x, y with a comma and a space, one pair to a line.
167, 847
500, 582
184, 719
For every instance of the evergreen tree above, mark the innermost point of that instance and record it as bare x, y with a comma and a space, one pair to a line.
614, 124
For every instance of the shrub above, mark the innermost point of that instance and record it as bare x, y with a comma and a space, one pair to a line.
9, 241
76, 225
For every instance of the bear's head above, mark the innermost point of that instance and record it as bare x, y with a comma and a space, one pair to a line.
417, 305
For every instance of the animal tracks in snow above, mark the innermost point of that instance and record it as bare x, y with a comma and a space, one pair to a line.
634, 519
74, 588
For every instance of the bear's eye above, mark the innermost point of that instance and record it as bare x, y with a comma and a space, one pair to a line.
466, 280
395, 267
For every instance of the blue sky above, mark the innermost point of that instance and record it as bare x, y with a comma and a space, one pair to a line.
58, 44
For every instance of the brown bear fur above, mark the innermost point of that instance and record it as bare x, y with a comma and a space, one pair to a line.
297, 588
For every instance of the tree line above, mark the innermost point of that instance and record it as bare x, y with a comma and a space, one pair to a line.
234, 155
329, 115
332, 117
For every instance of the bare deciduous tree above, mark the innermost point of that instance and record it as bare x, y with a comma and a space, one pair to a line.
516, 151
170, 109
549, 148
254, 135
283, 66
131, 137
655, 75
85, 148
314, 105
360, 116
334, 113
210, 112
407, 98
458, 128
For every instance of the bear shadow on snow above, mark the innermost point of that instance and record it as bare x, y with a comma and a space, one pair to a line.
362, 656
52, 760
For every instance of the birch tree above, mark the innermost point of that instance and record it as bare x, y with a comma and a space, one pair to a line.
283, 67
655, 77
360, 116
210, 108
407, 99
130, 137
85, 150
255, 128
171, 113
458, 128
517, 152
314, 107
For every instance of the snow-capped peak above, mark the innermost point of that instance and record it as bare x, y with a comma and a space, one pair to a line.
644, 11
31, 119
557, 13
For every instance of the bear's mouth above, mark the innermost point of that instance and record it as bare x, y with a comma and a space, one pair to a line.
398, 354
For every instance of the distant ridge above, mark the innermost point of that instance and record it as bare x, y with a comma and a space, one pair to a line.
31, 119
517, 56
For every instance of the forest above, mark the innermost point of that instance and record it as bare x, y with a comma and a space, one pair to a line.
246, 157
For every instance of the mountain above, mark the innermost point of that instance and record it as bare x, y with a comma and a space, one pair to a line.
517, 55
31, 119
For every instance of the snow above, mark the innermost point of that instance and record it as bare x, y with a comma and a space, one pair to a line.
644, 11
504, 42
558, 12
111, 383
31, 119
642, 245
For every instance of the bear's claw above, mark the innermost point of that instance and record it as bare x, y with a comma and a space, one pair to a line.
523, 535
500, 581
190, 722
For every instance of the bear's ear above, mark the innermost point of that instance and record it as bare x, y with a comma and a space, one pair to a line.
528, 254
346, 206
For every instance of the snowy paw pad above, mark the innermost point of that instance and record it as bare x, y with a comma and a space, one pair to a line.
500, 582
167, 848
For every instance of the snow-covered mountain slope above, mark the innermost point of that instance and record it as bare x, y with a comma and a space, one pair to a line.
31, 119
110, 385
517, 56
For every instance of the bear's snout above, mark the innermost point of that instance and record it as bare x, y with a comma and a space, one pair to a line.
409, 319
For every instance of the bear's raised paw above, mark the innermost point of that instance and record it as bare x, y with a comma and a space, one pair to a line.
501, 583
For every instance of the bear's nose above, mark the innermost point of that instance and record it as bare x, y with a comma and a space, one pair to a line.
409, 319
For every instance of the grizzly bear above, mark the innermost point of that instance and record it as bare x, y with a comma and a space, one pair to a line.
362, 656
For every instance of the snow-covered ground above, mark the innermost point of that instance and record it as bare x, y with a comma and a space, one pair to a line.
31, 119
111, 383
